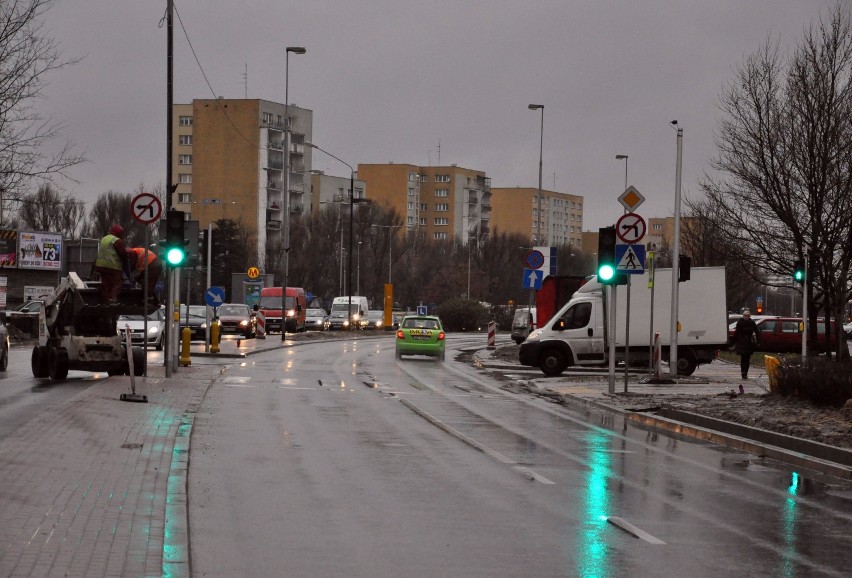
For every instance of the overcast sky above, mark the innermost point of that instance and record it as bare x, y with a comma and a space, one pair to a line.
390, 80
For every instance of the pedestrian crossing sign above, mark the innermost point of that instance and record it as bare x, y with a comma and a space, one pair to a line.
630, 258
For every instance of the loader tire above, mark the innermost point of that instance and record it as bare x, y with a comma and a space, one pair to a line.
39, 361
57, 363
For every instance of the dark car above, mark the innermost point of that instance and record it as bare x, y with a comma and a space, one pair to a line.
237, 318
196, 321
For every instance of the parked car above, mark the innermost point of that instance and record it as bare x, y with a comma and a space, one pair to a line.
196, 321
316, 319
156, 328
421, 335
784, 334
375, 319
237, 318
4, 342
523, 323
32, 306
847, 329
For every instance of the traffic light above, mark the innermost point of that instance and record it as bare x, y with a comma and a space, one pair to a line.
799, 271
606, 255
175, 244
684, 268
203, 243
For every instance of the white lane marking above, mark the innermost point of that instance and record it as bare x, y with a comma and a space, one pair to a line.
237, 379
633, 530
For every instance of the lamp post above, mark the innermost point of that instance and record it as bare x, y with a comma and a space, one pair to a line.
358, 278
540, 154
390, 229
286, 235
339, 202
676, 253
352, 202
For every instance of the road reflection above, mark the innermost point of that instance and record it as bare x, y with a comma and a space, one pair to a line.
592, 548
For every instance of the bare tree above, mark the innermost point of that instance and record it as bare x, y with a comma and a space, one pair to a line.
785, 161
27, 55
47, 210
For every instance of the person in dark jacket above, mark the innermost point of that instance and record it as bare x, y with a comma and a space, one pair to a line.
746, 339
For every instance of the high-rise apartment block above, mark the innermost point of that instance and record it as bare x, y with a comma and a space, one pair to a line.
515, 210
228, 159
442, 203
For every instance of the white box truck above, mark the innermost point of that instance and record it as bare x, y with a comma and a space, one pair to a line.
575, 335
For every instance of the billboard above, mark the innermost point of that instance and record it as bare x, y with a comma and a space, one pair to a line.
8, 248
40, 251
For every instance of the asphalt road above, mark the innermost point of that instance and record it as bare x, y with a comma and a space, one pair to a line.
336, 459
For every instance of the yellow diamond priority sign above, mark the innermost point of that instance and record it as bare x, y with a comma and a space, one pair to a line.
631, 198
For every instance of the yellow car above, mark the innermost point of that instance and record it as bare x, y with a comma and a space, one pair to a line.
420, 335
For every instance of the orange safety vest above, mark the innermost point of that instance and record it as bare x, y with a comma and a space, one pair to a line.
140, 258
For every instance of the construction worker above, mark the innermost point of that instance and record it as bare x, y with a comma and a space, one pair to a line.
112, 261
140, 258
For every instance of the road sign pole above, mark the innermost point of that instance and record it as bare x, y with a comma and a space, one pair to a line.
209, 248
627, 335
611, 376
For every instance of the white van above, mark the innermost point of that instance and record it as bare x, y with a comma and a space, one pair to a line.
339, 319
523, 323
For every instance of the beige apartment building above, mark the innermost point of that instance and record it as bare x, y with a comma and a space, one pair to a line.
515, 210
228, 159
441, 203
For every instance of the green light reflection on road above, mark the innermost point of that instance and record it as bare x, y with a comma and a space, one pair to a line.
789, 520
592, 550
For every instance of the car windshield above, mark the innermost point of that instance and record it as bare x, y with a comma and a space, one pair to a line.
233, 310
375, 315
194, 311
274, 302
316, 312
416, 323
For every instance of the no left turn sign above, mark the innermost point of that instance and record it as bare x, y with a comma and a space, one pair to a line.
146, 208
630, 228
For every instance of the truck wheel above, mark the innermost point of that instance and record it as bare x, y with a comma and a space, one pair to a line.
159, 346
140, 360
552, 362
57, 363
686, 363
39, 361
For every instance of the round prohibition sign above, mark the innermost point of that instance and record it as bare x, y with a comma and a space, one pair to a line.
534, 259
630, 228
146, 208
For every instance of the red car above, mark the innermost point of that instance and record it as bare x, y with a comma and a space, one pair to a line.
784, 334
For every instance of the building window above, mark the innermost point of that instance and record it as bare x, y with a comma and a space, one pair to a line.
423, 221
184, 198
442, 236
185, 139
281, 120
185, 121
442, 178
184, 159
657, 226
424, 179
412, 177
442, 221
410, 192
424, 207
411, 206
410, 220
185, 178
442, 207
267, 118
442, 192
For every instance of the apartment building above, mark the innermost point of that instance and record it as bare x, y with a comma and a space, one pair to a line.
331, 191
515, 210
228, 159
441, 203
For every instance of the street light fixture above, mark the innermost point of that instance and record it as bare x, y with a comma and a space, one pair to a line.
358, 278
352, 202
286, 239
540, 155
624, 158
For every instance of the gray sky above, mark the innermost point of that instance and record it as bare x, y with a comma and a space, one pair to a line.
388, 80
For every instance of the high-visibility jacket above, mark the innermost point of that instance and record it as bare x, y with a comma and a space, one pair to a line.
107, 255
141, 261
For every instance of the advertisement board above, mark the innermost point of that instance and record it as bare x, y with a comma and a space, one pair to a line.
8, 248
40, 251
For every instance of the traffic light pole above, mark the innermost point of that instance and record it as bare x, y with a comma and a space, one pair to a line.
613, 295
805, 307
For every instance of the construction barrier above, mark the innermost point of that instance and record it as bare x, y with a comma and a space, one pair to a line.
492, 334
772, 365
215, 337
261, 325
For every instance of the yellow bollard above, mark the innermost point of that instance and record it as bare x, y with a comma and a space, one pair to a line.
772, 364
186, 337
214, 337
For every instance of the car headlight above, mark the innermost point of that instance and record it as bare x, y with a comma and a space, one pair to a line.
153, 330
243, 323
346, 324
535, 335
203, 326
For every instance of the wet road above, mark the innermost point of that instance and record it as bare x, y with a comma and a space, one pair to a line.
336, 459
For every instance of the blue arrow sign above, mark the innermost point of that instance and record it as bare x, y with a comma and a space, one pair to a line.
214, 296
532, 278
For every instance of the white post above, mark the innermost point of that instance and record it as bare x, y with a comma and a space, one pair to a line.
675, 259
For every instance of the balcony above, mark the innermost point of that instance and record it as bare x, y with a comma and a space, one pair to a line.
297, 208
274, 206
274, 165
273, 225
297, 148
297, 188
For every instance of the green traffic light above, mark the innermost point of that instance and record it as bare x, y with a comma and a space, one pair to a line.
605, 272
175, 256
799, 275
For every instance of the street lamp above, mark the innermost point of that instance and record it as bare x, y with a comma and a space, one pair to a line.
358, 282
352, 202
624, 158
390, 244
286, 240
540, 154
339, 202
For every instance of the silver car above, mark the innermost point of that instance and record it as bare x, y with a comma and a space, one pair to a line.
316, 319
156, 328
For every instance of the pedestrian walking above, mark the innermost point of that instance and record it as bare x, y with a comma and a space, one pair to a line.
112, 261
746, 340
140, 259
